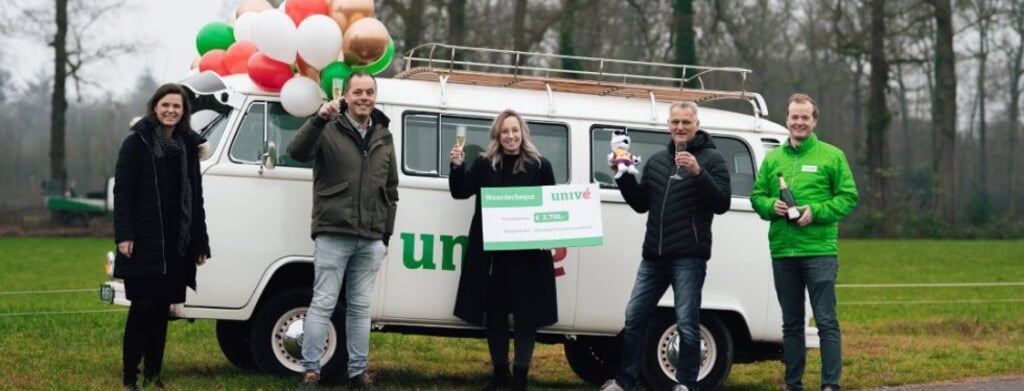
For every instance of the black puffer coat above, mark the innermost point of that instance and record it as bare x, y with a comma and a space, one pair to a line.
137, 207
527, 275
680, 211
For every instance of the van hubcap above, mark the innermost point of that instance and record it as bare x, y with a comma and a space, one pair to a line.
287, 340
668, 352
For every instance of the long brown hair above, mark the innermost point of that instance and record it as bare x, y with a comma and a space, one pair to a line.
527, 151
184, 125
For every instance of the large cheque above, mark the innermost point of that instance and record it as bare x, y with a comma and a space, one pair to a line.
519, 218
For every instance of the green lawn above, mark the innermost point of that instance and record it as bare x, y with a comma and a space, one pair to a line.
66, 339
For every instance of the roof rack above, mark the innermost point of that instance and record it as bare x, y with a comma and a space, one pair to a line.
595, 76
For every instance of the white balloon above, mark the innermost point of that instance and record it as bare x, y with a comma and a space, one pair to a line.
274, 34
319, 40
244, 26
300, 96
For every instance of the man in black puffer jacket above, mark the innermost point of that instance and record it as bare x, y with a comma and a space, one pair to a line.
681, 190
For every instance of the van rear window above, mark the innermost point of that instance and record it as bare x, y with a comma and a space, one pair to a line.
427, 138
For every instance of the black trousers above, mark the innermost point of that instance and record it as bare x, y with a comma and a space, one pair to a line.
145, 335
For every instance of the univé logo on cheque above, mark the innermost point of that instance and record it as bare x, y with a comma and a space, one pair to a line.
570, 195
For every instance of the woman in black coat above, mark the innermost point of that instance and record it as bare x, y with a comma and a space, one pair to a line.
159, 226
495, 284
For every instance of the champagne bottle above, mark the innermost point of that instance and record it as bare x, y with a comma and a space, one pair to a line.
792, 213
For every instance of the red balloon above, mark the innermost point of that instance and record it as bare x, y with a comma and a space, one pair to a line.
298, 10
213, 60
237, 58
268, 73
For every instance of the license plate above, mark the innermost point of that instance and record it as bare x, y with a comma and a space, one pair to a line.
107, 294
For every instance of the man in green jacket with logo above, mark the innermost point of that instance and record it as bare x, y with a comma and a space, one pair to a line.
805, 249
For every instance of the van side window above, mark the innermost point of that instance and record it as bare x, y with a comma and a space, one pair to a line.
281, 127
427, 138
641, 142
646, 143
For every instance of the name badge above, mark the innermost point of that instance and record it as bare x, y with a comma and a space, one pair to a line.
809, 169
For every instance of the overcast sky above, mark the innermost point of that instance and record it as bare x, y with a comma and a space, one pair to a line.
165, 30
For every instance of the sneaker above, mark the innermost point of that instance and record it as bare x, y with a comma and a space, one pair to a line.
362, 382
310, 381
611, 385
680, 387
828, 388
130, 387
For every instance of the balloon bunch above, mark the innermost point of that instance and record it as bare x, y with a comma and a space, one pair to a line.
298, 49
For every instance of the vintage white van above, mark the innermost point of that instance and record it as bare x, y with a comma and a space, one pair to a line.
258, 203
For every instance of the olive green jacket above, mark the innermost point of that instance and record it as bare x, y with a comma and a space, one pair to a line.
355, 180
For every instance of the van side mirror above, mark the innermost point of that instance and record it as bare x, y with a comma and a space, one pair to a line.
268, 160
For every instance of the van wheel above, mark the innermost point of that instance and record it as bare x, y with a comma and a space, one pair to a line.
594, 359
275, 338
659, 370
233, 338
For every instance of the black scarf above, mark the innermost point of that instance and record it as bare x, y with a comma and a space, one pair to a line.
173, 146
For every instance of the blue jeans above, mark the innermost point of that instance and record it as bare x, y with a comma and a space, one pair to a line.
686, 276
355, 261
816, 275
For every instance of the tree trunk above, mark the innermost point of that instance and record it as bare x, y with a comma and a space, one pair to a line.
413, 19
878, 111
1016, 65
457, 26
908, 160
519, 26
566, 40
944, 114
983, 26
58, 102
685, 38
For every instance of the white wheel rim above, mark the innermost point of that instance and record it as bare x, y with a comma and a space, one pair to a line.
668, 352
286, 340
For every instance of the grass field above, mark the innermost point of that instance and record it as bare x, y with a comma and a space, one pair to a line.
911, 311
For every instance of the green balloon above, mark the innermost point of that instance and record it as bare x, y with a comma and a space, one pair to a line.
334, 71
382, 63
214, 35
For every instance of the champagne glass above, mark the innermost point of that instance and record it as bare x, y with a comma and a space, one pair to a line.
460, 136
680, 147
337, 88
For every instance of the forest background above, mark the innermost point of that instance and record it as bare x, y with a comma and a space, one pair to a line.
924, 96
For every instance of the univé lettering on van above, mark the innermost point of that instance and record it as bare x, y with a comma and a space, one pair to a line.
427, 261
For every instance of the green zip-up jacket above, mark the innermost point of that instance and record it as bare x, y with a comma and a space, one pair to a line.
819, 176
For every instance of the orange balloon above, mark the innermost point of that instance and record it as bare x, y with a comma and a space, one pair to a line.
252, 6
337, 14
306, 69
354, 10
365, 41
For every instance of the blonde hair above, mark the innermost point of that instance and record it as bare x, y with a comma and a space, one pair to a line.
527, 151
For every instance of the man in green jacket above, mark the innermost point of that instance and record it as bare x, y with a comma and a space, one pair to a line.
805, 250
355, 190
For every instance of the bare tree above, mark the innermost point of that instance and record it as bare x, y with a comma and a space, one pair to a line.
944, 113
878, 110
1015, 73
685, 36
70, 39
